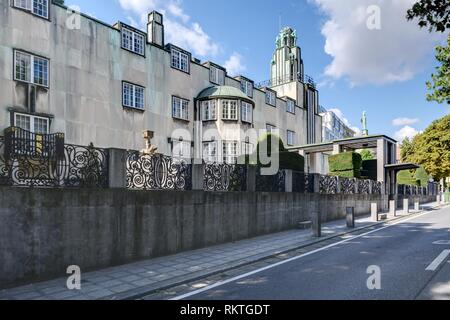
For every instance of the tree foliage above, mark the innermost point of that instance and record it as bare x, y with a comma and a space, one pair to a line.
366, 155
432, 14
406, 149
440, 82
431, 149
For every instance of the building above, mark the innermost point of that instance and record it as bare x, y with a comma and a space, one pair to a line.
334, 128
107, 84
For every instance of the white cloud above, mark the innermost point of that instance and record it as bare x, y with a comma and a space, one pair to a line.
405, 132
234, 64
341, 116
178, 28
404, 122
396, 52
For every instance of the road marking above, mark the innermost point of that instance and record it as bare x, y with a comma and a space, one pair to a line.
245, 275
437, 262
442, 242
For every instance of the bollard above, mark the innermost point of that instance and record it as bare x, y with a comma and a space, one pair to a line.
374, 212
438, 199
417, 206
405, 206
350, 215
316, 221
393, 208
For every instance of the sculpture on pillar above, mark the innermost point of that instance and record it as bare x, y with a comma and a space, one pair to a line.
149, 148
365, 131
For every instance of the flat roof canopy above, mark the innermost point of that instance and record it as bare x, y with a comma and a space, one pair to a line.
401, 166
366, 142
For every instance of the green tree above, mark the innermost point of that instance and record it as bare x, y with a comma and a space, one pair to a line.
406, 149
422, 176
366, 155
431, 149
440, 82
435, 15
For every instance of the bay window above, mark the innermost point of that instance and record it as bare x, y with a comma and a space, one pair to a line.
230, 152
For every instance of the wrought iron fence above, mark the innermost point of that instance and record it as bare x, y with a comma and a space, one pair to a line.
157, 172
348, 186
38, 160
271, 183
364, 186
376, 187
4, 171
224, 177
328, 184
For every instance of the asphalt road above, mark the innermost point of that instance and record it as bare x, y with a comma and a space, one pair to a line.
402, 252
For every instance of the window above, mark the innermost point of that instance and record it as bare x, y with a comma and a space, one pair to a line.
31, 123
133, 41
230, 152
180, 108
247, 87
36, 7
290, 138
247, 112
133, 96
270, 128
209, 110
180, 60
31, 69
217, 75
290, 106
210, 151
229, 110
181, 149
271, 98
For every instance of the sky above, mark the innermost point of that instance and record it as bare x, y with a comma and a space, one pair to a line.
363, 54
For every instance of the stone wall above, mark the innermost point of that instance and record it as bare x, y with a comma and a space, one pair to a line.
43, 231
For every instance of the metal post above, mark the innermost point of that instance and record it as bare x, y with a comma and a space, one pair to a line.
374, 212
393, 207
316, 220
350, 215
406, 206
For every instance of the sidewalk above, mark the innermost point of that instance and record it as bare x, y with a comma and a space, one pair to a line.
131, 280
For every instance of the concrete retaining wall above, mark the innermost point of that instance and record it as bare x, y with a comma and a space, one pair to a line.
43, 231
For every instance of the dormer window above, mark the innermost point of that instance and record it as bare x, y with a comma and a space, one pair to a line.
217, 76
180, 60
271, 98
133, 41
37, 7
247, 87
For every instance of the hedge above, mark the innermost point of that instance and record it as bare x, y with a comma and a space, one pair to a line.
347, 174
347, 164
406, 177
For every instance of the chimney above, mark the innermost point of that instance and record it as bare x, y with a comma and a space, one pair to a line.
155, 29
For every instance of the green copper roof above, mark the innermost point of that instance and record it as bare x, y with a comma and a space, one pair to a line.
223, 92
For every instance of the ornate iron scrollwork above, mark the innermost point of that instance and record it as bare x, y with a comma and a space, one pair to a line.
157, 172
328, 184
348, 185
225, 177
273, 183
376, 187
364, 186
4, 170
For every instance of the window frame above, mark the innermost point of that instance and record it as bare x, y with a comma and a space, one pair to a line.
180, 53
246, 83
183, 143
290, 134
293, 106
134, 32
207, 157
270, 93
31, 67
208, 105
244, 106
182, 100
134, 86
31, 10
227, 156
219, 74
32, 119
229, 113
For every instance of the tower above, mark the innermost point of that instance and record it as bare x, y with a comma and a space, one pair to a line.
287, 63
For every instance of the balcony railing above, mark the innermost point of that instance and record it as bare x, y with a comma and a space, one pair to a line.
282, 80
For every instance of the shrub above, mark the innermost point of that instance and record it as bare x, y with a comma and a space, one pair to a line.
346, 164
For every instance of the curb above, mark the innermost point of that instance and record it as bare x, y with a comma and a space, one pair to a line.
138, 293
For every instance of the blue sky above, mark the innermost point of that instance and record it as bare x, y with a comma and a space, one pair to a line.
382, 70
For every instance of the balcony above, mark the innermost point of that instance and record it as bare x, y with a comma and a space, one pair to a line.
282, 80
